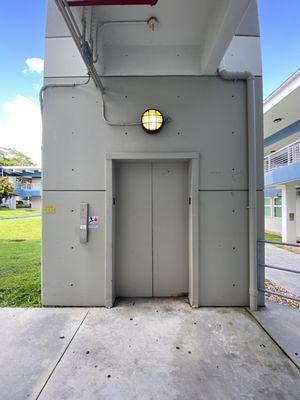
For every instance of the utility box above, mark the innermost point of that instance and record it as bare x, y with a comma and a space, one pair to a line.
152, 152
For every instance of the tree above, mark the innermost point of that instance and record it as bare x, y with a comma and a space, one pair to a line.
14, 157
6, 188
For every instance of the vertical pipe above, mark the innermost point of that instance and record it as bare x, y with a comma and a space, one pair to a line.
253, 275
252, 193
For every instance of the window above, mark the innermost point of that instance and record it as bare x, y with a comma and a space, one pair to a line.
268, 207
277, 207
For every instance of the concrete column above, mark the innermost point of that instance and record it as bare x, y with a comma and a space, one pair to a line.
289, 213
12, 203
36, 203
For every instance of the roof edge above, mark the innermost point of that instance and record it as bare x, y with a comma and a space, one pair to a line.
284, 89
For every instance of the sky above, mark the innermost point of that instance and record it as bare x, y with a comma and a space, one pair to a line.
280, 41
22, 30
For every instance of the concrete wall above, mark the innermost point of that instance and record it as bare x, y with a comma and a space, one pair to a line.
10, 203
274, 224
208, 115
36, 203
36, 184
298, 216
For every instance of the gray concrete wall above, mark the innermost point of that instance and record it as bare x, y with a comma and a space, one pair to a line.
36, 203
274, 224
208, 115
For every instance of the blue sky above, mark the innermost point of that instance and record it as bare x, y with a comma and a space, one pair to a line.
22, 30
280, 40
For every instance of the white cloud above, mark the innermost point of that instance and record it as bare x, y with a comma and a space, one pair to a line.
34, 65
22, 127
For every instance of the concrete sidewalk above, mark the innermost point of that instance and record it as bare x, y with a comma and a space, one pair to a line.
283, 258
23, 217
283, 324
143, 349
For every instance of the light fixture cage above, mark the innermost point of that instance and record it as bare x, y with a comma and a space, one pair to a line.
152, 121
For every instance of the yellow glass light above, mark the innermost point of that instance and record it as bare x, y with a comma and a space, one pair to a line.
152, 121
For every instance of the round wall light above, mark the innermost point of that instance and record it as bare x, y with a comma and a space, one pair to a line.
152, 121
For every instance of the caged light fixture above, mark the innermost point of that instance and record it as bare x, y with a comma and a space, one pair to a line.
152, 121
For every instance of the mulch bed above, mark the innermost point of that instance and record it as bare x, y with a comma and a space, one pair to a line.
292, 249
280, 300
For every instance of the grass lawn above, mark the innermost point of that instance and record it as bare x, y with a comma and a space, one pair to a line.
21, 212
272, 238
20, 265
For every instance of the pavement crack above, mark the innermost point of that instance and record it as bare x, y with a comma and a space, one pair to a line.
61, 356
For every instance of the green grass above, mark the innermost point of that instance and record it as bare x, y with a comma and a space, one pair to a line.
20, 265
272, 238
7, 213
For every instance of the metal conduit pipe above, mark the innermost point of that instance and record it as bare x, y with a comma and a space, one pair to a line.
74, 85
65, 12
84, 3
57, 85
106, 23
70, 21
116, 123
67, 7
123, 124
252, 199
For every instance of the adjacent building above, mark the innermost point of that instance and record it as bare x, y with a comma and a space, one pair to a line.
282, 160
27, 182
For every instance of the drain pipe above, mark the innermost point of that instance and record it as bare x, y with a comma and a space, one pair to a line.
252, 200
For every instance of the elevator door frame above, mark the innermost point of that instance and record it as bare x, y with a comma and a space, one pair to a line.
192, 159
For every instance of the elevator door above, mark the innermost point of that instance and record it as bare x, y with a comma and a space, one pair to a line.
151, 229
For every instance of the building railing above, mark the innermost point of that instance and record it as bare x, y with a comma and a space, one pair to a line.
281, 158
28, 186
263, 265
36, 186
23, 186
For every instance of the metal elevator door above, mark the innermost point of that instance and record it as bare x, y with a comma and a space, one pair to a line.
151, 252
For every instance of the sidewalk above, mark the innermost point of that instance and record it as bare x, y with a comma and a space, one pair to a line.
24, 217
283, 258
142, 349
283, 324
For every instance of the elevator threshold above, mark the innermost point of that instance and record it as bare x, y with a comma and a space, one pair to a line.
132, 301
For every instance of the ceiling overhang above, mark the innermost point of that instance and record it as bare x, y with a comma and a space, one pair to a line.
87, 3
281, 108
188, 37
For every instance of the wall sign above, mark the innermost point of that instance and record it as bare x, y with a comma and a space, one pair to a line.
49, 209
93, 221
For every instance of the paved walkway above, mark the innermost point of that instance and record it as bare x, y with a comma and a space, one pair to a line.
142, 350
23, 217
283, 324
283, 258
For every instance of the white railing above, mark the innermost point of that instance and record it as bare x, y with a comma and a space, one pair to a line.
23, 185
29, 185
281, 158
36, 186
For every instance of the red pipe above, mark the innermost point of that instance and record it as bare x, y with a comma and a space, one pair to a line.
82, 3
